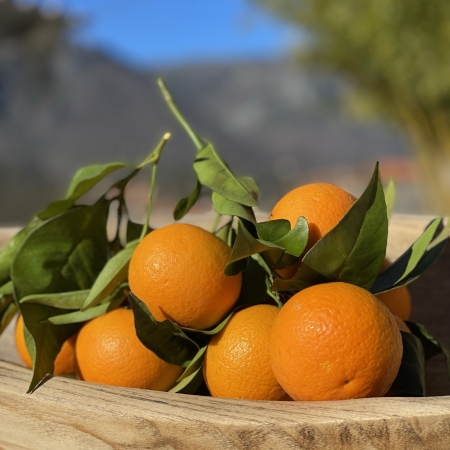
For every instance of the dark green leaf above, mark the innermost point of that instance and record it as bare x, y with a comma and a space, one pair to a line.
254, 286
431, 346
185, 204
110, 303
113, 274
166, 339
192, 377
229, 208
414, 261
213, 173
47, 339
304, 278
354, 249
410, 380
84, 180
65, 253
62, 300
9, 251
134, 231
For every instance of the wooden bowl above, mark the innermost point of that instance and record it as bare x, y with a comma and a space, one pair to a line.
70, 414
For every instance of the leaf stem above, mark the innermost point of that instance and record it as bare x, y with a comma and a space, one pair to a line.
216, 223
157, 154
169, 100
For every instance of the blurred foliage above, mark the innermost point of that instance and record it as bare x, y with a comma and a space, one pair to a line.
395, 53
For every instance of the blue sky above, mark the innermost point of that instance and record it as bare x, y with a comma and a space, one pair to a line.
167, 32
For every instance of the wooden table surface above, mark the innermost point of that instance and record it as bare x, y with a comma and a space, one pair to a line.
70, 414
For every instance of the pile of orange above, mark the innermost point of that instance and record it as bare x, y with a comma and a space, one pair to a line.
330, 341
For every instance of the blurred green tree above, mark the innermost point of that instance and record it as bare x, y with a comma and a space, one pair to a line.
396, 53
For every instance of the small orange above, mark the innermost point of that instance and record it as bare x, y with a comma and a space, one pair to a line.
323, 205
397, 300
65, 362
109, 352
237, 363
178, 272
335, 341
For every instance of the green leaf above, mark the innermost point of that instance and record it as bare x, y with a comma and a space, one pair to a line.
84, 180
65, 253
214, 173
294, 241
166, 339
47, 339
8, 310
354, 249
191, 379
113, 274
273, 230
389, 194
229, 208
246, 245
9, 251
62, 300
185, 204
109, 304
410, 380
7, 289
414, 261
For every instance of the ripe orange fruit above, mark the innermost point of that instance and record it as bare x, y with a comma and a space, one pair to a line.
335, 341
401, 324
65, 362
178, 272
109, 352
397, 300
237, 363
322, 205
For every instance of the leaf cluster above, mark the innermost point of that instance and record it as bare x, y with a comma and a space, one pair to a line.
61, 269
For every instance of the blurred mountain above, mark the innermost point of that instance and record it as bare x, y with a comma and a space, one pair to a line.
272, 121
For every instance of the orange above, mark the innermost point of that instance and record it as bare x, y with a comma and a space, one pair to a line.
335, 341
178, 272
323, 206
237, 363
397, 300
401, 324
65, 362
109, 352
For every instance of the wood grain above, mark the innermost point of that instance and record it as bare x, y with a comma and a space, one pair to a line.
70, 414
73, 414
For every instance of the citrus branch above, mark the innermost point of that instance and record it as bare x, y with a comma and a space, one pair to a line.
155, 159
169, 100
